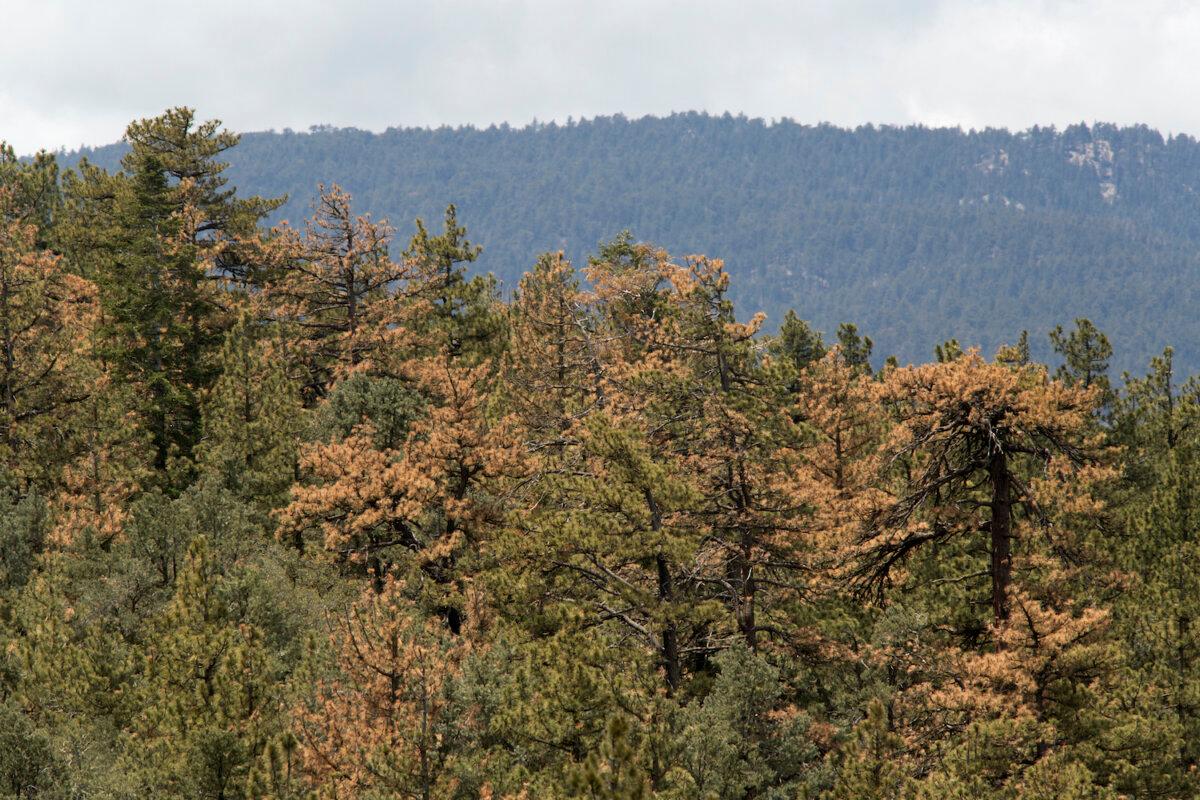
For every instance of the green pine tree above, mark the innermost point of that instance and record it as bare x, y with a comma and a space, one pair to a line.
207, 700
155, 238
613, 771
797, 342
870, 762
458, 314
1085, 352
856, 348
251, 420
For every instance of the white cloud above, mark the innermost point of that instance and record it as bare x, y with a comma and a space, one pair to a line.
77, 70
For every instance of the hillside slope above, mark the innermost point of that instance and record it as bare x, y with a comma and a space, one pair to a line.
915, 234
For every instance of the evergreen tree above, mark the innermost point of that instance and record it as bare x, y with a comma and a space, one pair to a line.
551, 368
382, 725
613, 771
963, 423
335, 292
34, 194
856, 348
456, 315
207, 710
797, 342
152, 238
251, 420
45, 314
1158, 615
870, 767
421, 509
1085, 352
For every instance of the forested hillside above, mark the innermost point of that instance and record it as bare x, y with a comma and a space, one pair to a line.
915, 234
309, 512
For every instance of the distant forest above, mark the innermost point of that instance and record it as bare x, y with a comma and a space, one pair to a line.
917, 235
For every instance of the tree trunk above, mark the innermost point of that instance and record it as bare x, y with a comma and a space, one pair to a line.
666, 594
1001, 534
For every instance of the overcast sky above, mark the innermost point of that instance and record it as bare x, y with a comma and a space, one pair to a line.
76, 71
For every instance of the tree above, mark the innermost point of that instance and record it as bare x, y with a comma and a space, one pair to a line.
1017, 354
382, 724
541, 695
454, 315
611, 540
966, 426
1086, 352
46, 316
224, 227
427, 505
251, 420
27, 765
743, 737
1160, 611
613, 530
335, 290
870, 767
629, 280
856, 348
35, 196
152, 238
207, 705
613, 771
1155, 414
551, 365
950, 350
797, 342
840, 405
733, 432
69, 674
24, 529
110, 465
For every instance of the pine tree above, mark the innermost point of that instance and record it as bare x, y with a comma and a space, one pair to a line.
840, 405
1085, 352
631, 281
34, 192
46, 314
611, 540
1153, 416
965, 423
452, 314
207, 705
613, 771
278, 774
153, 238
110, 465
870, 767
28, 768
737, 438
335, 293
251, 420
422, 508
1017, 354
1159, 614
744, 737
222, 226
382, 725
856, 348
797, 342
551, 366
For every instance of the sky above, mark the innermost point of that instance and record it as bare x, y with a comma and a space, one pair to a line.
75, 72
